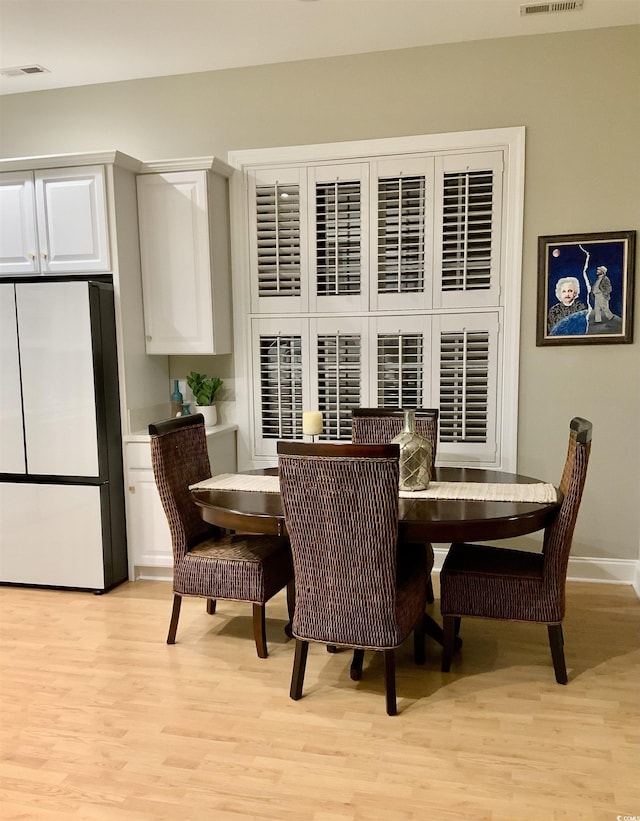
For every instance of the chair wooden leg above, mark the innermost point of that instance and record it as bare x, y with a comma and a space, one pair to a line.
449, 642
390, 681
175, 615
259, 630
418, 642
299, 666
430, 595
556, 642
291, 606
356, 665
211, 606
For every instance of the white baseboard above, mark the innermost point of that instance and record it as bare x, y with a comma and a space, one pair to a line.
148, 573
583, 569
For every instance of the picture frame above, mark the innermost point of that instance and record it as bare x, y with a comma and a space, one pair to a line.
601, 268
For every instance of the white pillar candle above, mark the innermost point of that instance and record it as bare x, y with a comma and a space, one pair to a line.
312, 423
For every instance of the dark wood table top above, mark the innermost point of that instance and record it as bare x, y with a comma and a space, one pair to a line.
421, 520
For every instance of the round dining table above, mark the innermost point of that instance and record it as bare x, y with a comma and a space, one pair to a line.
420, 520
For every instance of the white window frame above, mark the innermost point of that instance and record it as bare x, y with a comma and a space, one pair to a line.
510, 140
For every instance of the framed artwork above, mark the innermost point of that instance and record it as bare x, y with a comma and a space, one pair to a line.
585, 288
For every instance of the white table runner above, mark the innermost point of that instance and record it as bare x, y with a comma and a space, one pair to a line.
539, 492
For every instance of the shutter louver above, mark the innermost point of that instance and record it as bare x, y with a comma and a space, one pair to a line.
464, 386
467, 230
401, 227
400, 369
278, 239
281, 386
339, 358
338, 238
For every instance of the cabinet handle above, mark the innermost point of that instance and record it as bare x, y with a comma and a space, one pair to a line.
132, 489
43, 255
148, 338
31, 255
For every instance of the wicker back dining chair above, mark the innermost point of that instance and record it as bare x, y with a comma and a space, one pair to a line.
377, 426
380, 425
353, 587
502, 583
206, 562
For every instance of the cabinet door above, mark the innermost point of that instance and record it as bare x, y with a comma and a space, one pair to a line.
18, 243
72, 220
181, 315
148, 533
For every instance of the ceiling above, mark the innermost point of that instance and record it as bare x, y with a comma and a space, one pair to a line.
83, 42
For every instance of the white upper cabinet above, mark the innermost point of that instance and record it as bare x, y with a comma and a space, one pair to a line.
53, 221
184, 249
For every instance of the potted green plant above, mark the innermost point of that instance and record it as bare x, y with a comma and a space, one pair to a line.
204, 389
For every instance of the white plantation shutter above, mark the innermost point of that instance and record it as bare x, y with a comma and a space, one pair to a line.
466, 387
384, 280
278, 227
280, 349
400, 370
403, 232
338, 375
468, 218
339, 251
401, 235
278, 236
281, 385
401, 361
338, 238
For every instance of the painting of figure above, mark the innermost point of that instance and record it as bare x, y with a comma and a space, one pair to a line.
585, 288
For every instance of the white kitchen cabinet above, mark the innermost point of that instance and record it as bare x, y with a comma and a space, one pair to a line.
148, 533
184, 248
54, 221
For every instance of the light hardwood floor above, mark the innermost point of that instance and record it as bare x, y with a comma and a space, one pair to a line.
101, 720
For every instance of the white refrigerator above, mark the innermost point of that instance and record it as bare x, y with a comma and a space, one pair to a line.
62, 520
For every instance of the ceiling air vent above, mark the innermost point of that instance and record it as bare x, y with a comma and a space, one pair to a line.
17, 71
546, 8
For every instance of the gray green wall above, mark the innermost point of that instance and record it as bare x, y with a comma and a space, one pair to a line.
577, 94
